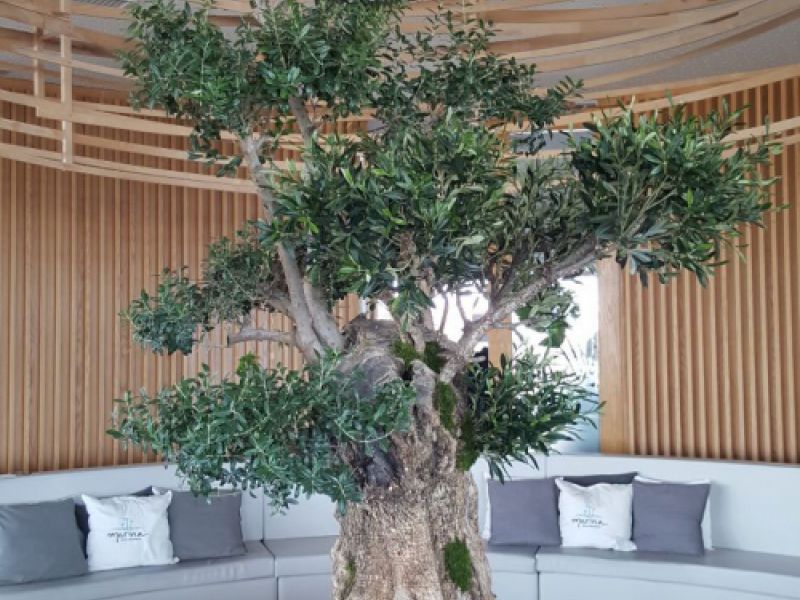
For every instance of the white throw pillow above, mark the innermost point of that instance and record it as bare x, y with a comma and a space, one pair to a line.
706, 524
597, 516
128, 531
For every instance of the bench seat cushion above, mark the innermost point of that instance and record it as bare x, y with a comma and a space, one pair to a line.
512, 559
755, 572
302, 556
258, 563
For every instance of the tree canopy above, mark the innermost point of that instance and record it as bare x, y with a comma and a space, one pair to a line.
427, 199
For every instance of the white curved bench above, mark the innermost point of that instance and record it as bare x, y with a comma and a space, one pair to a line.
754, 518
576, 573
754, 531
249, 577
754, 527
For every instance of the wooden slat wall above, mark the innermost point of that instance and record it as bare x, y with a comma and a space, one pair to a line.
713, 372
685, 371
74, 249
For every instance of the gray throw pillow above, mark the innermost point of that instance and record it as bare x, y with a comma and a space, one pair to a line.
82, 515
524, 512
39, 541
667, 517
202, 527
587, 480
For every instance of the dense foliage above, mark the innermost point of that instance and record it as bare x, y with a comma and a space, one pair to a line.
520, 409
665, 193
426, 199
284, 431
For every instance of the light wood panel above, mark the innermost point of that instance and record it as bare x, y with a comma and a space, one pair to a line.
74, 249
714, 372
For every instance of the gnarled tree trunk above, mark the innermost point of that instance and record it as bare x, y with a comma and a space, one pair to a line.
393, 547
392, 544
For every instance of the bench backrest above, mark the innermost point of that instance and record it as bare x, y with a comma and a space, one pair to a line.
753, 506
111, 482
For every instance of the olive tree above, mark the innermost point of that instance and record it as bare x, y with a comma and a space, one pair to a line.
427, 200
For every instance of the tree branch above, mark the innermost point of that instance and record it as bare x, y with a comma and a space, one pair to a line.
256, 334
307, 127
461, 311
323, 321
506, 306
445, 313
279, 302
307, 339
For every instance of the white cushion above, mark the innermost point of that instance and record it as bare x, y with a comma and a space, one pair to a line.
597, 516
302, 556
770, 575
197, 576
512, 559
128, 531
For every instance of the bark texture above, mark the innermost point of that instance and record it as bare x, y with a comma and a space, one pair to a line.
393, 547
392, 544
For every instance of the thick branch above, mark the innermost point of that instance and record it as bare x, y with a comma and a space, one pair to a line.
307, 339
323, 322
307, 127
256, 334
507, 305
279, 302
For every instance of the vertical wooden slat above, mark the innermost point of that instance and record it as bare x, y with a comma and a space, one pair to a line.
790, 192
612, 356
776, 226
6, 270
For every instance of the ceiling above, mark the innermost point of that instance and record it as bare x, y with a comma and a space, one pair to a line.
658, 50
671, 40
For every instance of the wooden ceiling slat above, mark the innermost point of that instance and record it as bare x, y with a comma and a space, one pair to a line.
675, 16
628, 11
111, 169
777, 127
11, 39
700, 17
33, 18
659, 65
75, 64
47, 7
760, 78
29, 129
749, 17
81, 79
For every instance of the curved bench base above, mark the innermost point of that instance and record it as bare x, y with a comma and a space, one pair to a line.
568, 586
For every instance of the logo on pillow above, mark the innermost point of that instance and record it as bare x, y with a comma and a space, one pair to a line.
127, 532
589, 517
